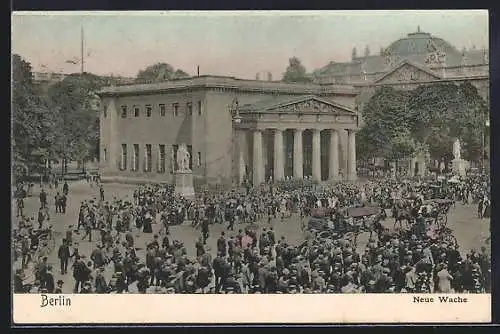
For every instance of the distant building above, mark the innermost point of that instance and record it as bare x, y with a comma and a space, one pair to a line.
417, 59
49, 78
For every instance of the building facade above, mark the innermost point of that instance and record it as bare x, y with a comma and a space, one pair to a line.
235, 130
258, 130
416, 59
409, 62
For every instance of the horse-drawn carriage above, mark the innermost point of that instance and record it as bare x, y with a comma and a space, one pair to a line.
347, 226
436, 210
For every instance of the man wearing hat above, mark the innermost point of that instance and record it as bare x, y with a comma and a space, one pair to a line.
63, 254
59, 286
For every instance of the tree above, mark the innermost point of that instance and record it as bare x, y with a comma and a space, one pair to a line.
32, 120
386, 130
160, 72
445, 112
296, 72
77, 128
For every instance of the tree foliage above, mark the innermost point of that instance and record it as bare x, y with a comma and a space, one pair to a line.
32, 119
444, 112
386, 125
77, 129
160, 72
431, 117
296, 72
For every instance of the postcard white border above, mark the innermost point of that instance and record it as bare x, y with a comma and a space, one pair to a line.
254, 308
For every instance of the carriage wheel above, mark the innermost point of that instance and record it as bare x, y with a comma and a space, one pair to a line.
441, 221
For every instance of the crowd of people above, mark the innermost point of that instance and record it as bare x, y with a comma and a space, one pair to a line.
249, 257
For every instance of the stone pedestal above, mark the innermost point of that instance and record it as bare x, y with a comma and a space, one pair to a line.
458, 167
184, 184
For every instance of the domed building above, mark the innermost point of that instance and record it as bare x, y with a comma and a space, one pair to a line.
419, 58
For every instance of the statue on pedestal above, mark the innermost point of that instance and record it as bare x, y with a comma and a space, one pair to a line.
458, 165
183, 157
183, 175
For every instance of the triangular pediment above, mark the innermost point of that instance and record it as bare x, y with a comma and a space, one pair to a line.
310, 104
408, 71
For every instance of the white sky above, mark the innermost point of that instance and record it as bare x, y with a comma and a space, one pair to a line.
226, 43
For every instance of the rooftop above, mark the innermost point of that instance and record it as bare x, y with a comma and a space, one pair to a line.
212, 81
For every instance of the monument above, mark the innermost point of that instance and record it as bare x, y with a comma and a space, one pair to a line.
183, 174
458, 164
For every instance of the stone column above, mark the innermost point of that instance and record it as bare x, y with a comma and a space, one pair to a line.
258, 163
316, 155
333, 166
351, 160
279, 172
298, 162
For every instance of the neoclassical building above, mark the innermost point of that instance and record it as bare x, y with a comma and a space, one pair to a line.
259, 130
419, 58
416, 59
235, 130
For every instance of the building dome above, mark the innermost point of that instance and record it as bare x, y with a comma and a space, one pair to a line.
420, 43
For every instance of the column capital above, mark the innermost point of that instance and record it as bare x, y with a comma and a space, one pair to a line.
352, 130
299, 129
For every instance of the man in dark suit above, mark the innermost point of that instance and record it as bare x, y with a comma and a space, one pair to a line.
49, 280
63, 254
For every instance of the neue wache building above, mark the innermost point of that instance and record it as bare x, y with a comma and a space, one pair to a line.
259, 130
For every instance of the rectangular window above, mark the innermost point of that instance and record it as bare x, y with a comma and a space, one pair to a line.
161, 158
123, 160
199, 159
105, 111
135, 158
189, 107
163, 110
149, 110
104, 155
175, 106
124, 111
190, 150
147, 158
137, 111
199, 108
174, 158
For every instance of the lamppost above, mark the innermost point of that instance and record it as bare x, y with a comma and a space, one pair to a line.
236, 120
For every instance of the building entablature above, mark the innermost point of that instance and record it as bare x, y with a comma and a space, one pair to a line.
297, 112
226, 84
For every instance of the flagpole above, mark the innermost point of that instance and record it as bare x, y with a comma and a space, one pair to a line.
82, 60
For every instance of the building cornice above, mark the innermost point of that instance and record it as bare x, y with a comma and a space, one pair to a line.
444, 80
226, 84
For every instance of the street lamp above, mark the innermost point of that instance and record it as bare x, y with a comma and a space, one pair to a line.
485, 124
236, 120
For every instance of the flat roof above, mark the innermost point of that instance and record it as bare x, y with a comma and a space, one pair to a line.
212, 81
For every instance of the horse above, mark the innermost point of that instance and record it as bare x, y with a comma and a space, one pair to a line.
402, 212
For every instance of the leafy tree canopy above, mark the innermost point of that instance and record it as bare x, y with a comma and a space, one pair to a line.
296, 72
33, 120
160, 72
399, 123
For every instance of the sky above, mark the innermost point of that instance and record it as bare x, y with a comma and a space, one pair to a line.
236, 44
